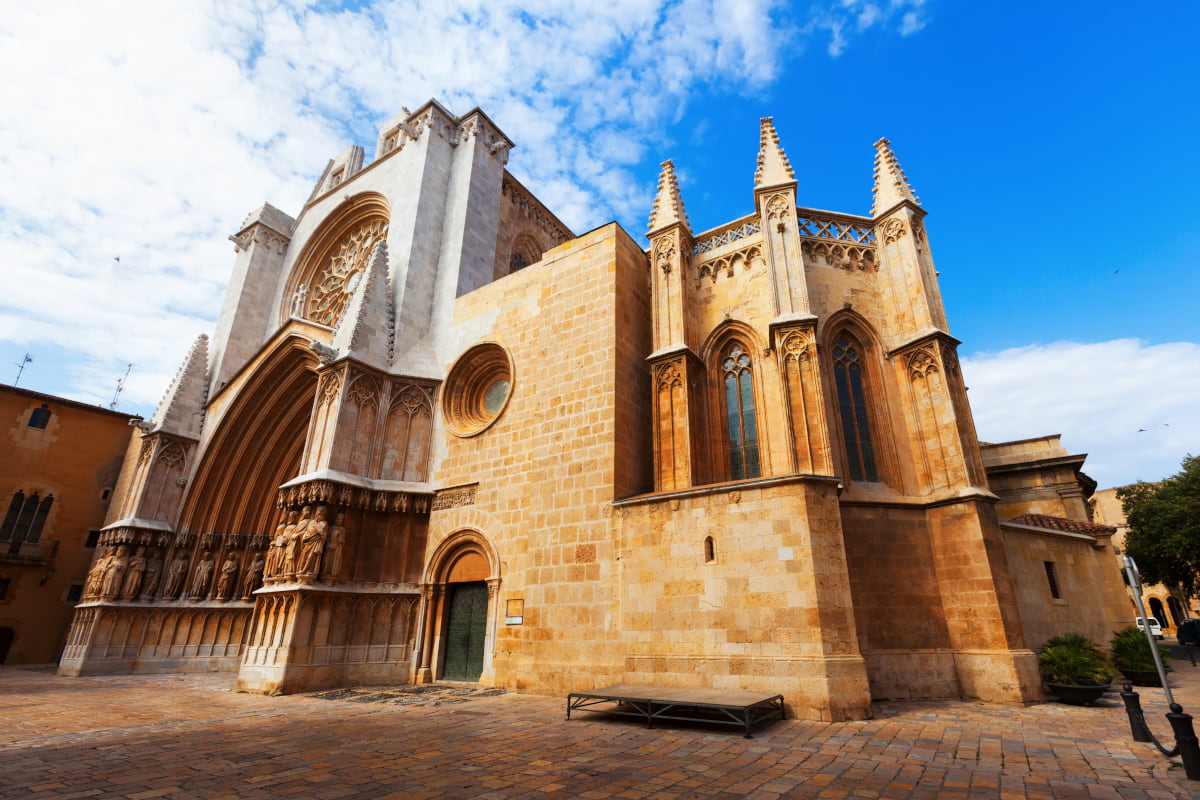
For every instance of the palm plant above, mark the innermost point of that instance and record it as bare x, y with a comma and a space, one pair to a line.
1074, 659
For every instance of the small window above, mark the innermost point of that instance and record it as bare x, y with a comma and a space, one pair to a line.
40, 417
1052, 579
75, 593
710, 550
3, 588
93, 539
107, 493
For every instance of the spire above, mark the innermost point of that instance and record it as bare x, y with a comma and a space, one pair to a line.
668, 205
365, 330
773, 165
891, 185
182, 408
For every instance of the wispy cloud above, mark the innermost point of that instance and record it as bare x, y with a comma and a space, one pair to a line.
151, 128
1128, 404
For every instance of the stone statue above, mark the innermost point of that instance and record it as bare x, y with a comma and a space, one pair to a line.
133, 575
153, 573
95, 578
201, 577
274, 563
334, 545
115, 573
291, 550
253, 577
175, 575
312, 544
228, 577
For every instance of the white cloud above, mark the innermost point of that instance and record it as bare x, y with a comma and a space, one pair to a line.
147, 130
1131, 406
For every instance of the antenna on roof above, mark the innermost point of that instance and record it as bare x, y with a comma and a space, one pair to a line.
120, 386
21, 367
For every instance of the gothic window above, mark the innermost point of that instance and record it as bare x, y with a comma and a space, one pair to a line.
40, 417
517, 261
25, 518
852, 407
741, 425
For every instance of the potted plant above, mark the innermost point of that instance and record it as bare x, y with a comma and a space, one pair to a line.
1132, 655
1074, 669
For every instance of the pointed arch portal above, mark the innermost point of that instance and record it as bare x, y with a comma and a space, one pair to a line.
257, 447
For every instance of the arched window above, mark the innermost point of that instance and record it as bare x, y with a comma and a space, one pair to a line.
741, 426
853, 409
40, 417
25, 518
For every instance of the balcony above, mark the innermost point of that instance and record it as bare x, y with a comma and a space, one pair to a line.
27, 552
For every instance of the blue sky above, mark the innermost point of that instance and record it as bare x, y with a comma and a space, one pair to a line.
1050, 143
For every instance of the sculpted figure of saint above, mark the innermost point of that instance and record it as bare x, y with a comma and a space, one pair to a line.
312, 543
133, 575
274, 563
228, 578
334, 545
253, 577
291, 550
153, 573
115, 573
95, 578
201, 577
176, 574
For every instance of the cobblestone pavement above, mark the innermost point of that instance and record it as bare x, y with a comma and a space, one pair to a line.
187, 736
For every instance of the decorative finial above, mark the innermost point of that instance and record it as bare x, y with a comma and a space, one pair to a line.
773, 165
891, 184
668, 204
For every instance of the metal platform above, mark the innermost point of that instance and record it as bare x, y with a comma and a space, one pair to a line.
653, 703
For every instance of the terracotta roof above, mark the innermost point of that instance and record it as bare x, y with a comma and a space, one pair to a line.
1062, 524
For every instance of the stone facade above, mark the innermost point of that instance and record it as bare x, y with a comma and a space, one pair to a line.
59, 463
460, 442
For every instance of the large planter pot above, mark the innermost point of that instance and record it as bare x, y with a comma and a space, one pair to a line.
1142, 677
1074, 695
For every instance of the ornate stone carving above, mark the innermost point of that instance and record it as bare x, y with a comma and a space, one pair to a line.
176, 574
364, 391
331, 289
201, 577
334, 493
854, 230
331, 387
334, 547
664, 253
727, 264
797, 345
227, 579
921, 362
534, 211
735, 232
778, 207
312, 545
455, 497
668, 375
842, 256
893, 230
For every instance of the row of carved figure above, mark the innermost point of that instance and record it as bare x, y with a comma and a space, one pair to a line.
122, 573
306, 546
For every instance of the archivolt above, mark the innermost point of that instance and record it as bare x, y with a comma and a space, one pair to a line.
257, 447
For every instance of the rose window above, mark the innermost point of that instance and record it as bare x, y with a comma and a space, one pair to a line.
335, 284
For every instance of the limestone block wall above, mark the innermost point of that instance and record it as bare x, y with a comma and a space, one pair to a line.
743, 586
1091, 601
566, 445
897, 603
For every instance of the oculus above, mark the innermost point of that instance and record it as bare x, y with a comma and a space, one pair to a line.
477, 389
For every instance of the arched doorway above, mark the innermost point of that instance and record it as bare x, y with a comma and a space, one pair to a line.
460, 613
1156, 611
1177, 614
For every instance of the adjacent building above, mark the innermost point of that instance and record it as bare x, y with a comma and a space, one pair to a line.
59, 461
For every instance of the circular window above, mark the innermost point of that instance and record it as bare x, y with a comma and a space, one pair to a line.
477, 389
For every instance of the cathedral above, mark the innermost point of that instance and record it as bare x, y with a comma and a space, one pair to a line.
439, 436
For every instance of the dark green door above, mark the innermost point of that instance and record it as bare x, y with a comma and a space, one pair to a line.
465, 631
